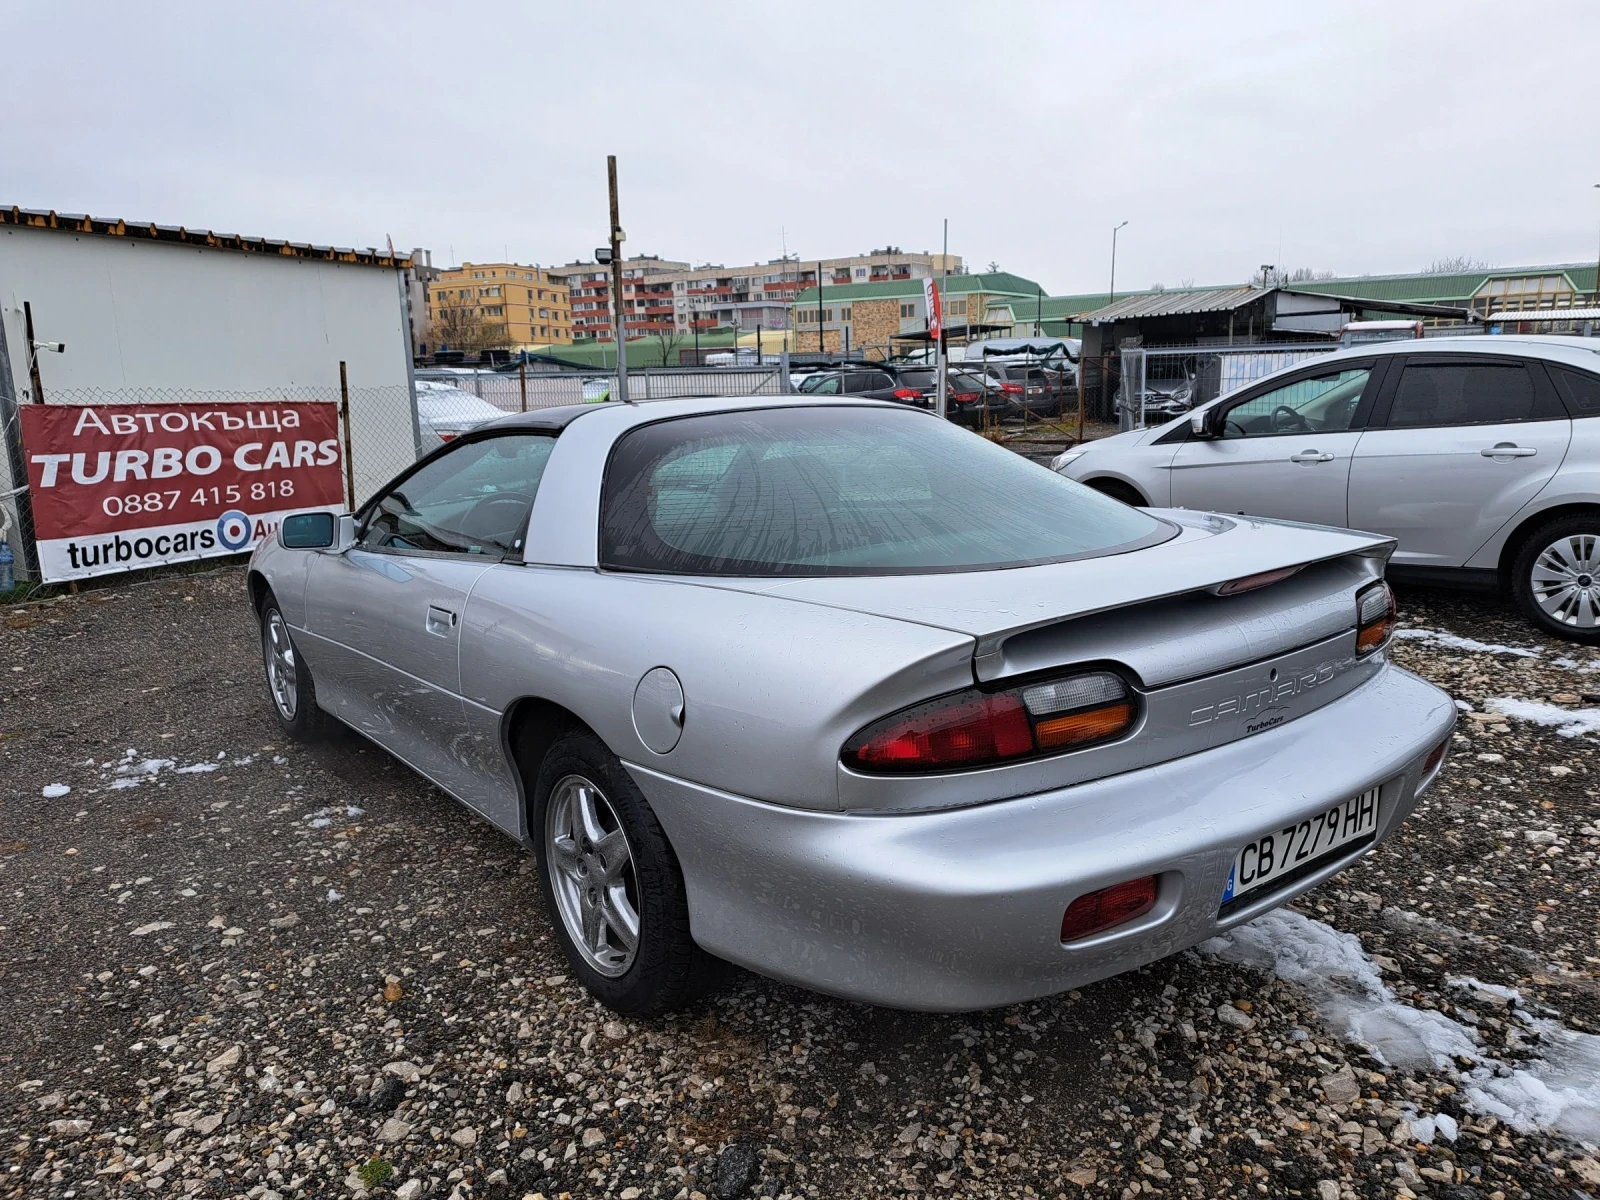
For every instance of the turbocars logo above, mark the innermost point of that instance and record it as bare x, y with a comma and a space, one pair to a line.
234, 530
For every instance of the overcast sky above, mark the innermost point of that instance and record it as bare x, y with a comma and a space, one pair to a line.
1353, 137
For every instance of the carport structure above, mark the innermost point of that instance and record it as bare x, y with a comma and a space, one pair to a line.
1231, 315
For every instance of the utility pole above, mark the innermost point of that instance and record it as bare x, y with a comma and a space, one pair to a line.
1112, 299
941, 378
822, 347
618, 321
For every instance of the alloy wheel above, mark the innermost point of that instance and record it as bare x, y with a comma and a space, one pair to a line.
281, 680
1565, 581
592, 875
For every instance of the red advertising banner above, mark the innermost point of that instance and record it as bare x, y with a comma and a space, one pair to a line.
121, 486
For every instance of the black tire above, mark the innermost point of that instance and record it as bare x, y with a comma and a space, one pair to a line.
667, 970
1118, 490
1565, 537
295, 708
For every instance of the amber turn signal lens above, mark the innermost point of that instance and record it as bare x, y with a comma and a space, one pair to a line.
1090, 725
1375, 618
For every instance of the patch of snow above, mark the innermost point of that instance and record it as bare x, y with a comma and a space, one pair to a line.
1568, 722
1557, 1090
1333, 969
1424, 1129
1581, 668
334, 895
54, 791
319, 822
199, 768
1466, 983
1449, 641
118, 784
1463, 706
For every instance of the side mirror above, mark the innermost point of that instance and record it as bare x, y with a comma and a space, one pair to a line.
1200, 423
315, 531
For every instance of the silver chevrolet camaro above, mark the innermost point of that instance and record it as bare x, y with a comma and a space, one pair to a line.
852, 697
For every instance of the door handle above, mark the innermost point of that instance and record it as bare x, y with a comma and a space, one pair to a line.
441, 622
1509, 450
1310, 456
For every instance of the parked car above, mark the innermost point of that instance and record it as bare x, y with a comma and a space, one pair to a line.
1030, 389
838, 692
1480, 456
445, 412
973, 399
867, 383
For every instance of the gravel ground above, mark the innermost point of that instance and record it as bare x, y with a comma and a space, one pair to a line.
235, 967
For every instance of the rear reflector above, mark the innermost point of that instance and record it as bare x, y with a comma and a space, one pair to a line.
1108, 908
1435, 757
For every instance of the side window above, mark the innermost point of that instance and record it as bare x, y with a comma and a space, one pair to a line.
1579, 390
826, 385
1321, 404
473, 499
1458, 393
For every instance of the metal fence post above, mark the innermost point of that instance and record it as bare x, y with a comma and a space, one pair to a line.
522, 379
21, 499
344, 416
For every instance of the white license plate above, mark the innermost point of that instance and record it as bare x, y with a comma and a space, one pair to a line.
1273, 855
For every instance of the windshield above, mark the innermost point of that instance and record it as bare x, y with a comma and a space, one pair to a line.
844, 491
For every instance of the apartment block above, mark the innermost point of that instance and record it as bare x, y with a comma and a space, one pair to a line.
661, 296
646, 296
526, 305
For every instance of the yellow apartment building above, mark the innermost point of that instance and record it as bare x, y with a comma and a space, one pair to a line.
530, 304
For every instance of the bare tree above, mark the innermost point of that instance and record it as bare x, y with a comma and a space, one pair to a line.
1454, 265
1270, 276
992, 267
464, 328
668, 343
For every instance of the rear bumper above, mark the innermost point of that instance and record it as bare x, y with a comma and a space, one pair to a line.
961, 909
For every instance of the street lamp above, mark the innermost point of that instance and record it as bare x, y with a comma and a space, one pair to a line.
1597, 273
1113, 297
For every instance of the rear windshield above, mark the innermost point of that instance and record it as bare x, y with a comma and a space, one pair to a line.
844, 491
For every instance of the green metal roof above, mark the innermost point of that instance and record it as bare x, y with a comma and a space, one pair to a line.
1452, 288
644, 351
988, 282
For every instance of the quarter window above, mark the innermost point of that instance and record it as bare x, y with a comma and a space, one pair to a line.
473, 499
1461, 394
1321, 404
1580, 391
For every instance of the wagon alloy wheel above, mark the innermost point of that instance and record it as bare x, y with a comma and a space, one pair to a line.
595, 884
281, 679
1565, 581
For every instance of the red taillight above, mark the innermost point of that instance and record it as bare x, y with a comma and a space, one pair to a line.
1375, 618
448, 437
973, 728
1435, 757
1011, 389
906, 393
1109, 907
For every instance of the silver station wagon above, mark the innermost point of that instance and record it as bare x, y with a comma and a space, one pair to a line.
1480, 456
849, 696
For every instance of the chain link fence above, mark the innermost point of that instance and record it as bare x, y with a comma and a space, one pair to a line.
520, 389
374, 431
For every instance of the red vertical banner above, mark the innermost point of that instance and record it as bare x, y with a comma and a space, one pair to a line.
123, 486
930, 293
